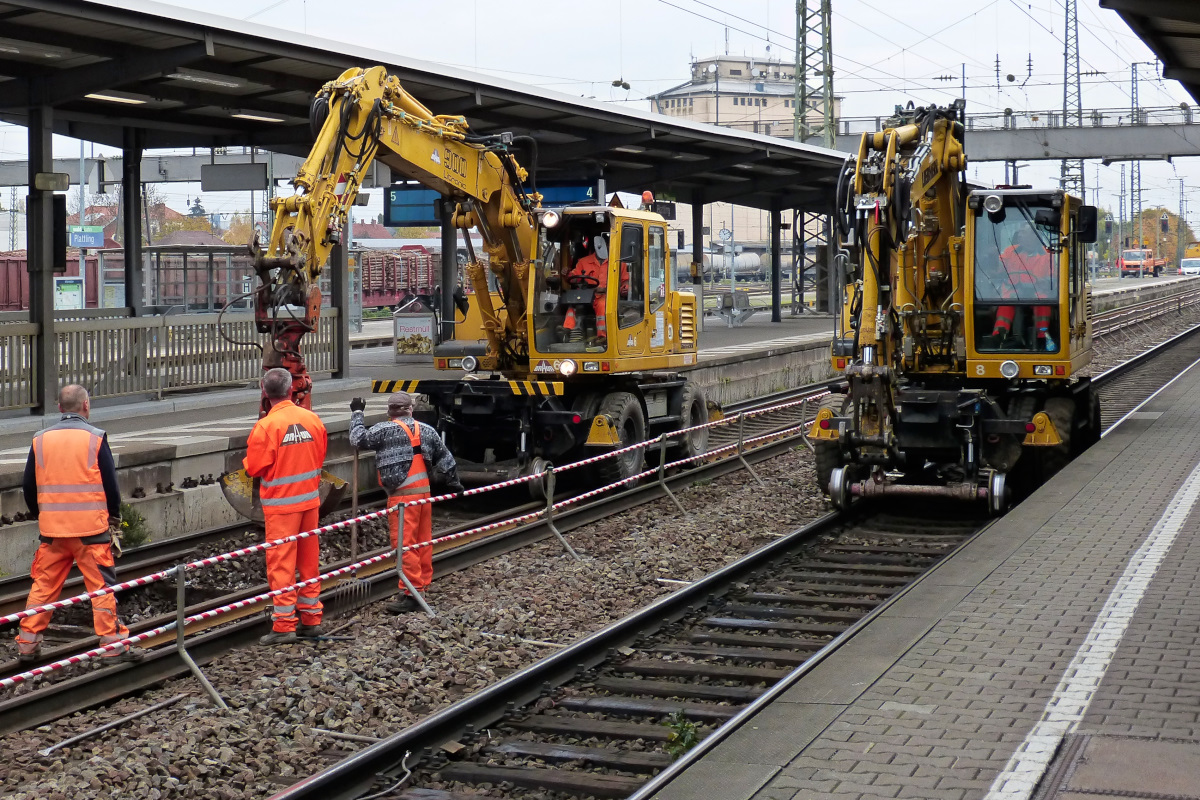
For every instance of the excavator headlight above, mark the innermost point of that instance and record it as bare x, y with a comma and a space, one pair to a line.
550, 219
993, 203
470, 363
566, 367
1010, 370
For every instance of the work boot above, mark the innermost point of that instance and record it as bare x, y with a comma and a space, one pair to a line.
29, 651
278, 637
310, 631
404, 605
125, 654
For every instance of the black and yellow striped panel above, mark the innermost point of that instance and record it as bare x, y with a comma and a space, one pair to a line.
535, 388
387, 387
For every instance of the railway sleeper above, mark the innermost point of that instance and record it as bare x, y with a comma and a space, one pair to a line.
588, 727
678, 669
645, 707
752, 654
775, 642
772, 625
891, 549
864, 565
556, 780
859, 582
631, 760
692, 691
805, 599
815, 614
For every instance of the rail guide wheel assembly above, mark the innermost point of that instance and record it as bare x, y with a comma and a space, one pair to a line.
997, 494
839, 488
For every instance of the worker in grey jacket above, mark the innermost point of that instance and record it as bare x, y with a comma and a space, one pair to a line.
405, 451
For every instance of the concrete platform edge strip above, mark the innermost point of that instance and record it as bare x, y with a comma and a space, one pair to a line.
696, 754
1083, 675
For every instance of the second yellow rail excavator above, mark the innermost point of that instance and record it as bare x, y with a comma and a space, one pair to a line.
965, 324
584, 330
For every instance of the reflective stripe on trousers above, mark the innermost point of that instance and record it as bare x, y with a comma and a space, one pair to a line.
283, 564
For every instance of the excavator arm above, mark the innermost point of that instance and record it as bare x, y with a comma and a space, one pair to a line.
365, 116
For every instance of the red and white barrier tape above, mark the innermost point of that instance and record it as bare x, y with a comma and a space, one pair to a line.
383, 513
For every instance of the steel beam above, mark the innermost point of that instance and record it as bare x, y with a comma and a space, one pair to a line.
1110, 143
72, 84
776, 220
40, 243
131, 218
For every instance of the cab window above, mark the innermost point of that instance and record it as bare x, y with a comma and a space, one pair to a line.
631, 303
657, 267
1017, 281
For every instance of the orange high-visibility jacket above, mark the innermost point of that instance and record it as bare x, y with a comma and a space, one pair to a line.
287, 449
70, 489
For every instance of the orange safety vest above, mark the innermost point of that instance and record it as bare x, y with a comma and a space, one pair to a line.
287, 450
70, 491
417, 480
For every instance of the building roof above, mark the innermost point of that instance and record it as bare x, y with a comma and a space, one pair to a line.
209, 81
1171, 28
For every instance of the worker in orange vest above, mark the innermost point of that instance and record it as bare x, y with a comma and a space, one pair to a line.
286, 450
591, 271
71, 487
1029, 269
405, 452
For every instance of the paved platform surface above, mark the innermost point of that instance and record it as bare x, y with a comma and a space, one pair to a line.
1071, 626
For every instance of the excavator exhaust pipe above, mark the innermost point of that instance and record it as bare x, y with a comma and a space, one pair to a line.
842, 491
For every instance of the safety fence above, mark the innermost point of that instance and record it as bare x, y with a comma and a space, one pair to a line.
737, 450
112, 357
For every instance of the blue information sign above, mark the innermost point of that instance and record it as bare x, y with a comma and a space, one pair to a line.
88, 237
414, 206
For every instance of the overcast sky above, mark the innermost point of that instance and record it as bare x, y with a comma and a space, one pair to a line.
884, 53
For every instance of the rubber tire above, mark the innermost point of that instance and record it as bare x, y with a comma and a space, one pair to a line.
693, 411
828, 455
626, 412
1061, 411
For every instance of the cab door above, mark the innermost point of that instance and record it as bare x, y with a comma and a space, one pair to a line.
662, 332
628, 274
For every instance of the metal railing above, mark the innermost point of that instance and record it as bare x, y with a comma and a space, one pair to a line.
1018, 120
151, 355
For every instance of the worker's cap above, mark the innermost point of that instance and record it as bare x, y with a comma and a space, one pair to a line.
400, 400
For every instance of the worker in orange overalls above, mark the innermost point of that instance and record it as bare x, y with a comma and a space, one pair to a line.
71, 487
591, 271
286, 450
407, 455
1027, 262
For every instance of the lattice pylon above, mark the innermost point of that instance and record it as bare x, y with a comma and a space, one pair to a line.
1072, 169
812, 115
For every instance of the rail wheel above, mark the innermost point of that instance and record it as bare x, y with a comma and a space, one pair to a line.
997, 494
693, 411
626, 413
537, 486
839, 488
828, 455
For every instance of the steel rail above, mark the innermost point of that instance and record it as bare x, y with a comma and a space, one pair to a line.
349, 778
103, 685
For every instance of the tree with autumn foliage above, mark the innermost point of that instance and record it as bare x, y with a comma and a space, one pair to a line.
240, 230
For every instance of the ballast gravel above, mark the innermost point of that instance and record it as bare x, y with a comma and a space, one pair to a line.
493, 618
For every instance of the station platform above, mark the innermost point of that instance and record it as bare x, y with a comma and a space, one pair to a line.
1055, 654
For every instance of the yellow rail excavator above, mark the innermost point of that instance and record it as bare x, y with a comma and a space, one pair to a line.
583, 328
965, 323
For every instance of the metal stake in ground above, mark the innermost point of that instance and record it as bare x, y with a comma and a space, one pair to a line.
354, 592
548, 488
180, 614
741, 443
662, 473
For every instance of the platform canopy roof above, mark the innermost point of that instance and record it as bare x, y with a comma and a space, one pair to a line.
184, 78
1171, 28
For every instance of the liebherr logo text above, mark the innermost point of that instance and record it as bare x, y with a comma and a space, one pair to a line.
296, 434
454, 168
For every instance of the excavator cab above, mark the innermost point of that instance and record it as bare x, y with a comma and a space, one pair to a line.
602, 288
1027, 284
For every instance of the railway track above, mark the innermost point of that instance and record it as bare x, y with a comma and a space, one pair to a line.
598, 718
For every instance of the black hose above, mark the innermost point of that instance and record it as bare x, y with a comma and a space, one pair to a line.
532, 166
318, 112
